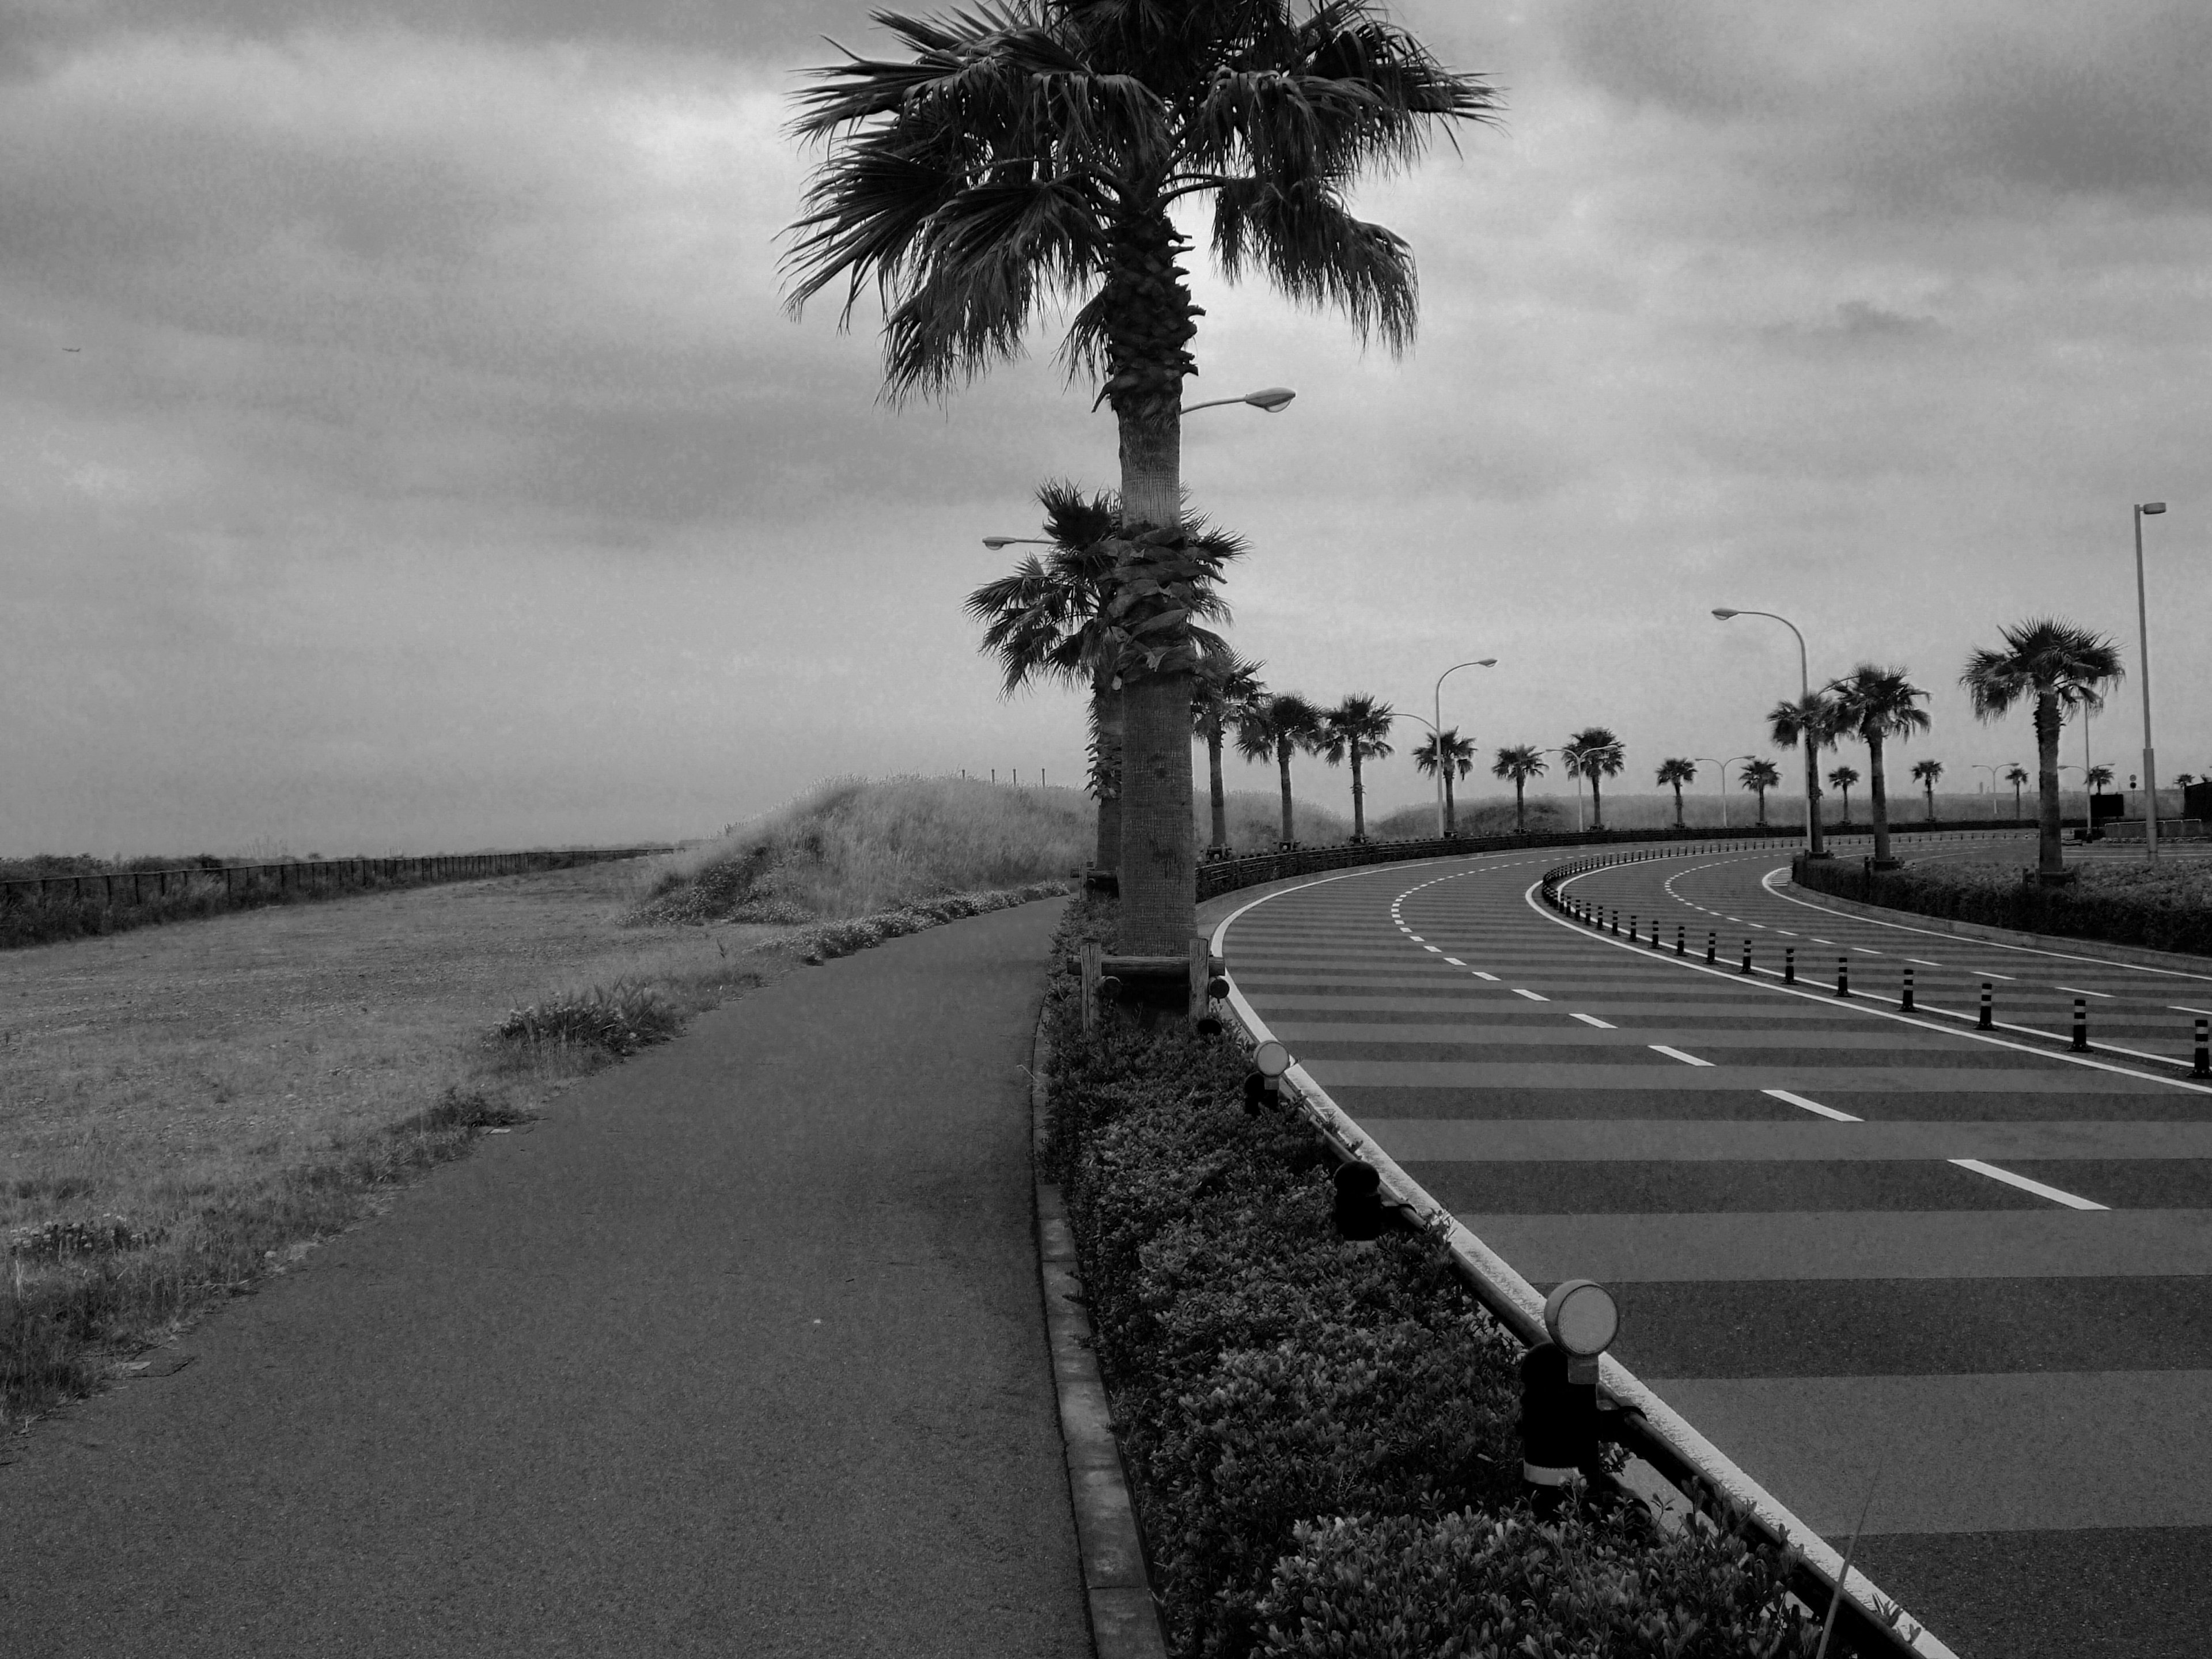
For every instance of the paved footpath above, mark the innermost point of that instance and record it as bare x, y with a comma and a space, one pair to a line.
738, 1351
1849, 1246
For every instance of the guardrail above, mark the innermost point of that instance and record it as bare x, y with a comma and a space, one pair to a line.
1226, 875
1641, 1422
135, 887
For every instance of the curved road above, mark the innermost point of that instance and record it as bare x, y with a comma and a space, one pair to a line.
1860, 1250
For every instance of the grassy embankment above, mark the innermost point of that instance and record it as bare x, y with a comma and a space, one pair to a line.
183, 1110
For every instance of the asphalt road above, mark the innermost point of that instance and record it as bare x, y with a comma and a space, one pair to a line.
737, 1351
1855, 1249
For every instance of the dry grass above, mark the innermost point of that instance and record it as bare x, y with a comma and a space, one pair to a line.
231, 1089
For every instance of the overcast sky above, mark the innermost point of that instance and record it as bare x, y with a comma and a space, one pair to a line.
403, 445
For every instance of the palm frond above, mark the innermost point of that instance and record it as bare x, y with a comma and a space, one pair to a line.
1318, 254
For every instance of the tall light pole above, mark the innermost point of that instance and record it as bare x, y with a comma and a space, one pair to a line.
1707, 760
1811, 744
1576, 774
1438, 728
1980, 766
2142, 630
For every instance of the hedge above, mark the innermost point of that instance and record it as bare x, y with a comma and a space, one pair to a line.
2158, 907
1323, 1438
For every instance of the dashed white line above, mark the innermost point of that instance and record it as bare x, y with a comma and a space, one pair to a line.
1438, 949
1592, 1020
1455, 962
1812, 1105
1479, 974
2177, 1008
1531, 995
2026, 1186
1924, 961
2079, 992
1991, 973
1676, 1054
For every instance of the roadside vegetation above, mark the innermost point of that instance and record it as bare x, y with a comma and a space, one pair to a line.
1322, 1438
2165, 906
185, 1111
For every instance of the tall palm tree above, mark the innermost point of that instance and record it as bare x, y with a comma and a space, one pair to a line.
1448, 751
2061, 667
1224, 686
2015, 776
1520, 761
1927, 771
1049, 620
1762, 775
1591, 753
1843, 778
1356, 729
1275, 729
1874, 704
1678, 772
1030, 153
1809, 721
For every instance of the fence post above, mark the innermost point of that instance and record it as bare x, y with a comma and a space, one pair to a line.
1089, 956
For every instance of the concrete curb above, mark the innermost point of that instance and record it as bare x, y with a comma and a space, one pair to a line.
2092, 950
1125, 1620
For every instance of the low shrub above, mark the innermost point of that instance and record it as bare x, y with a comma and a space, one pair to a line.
1281, 1394
2161, 907
619, 1019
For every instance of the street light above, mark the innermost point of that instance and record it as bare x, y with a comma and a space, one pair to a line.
2143, 629
1438, 728
1983, 766
994, 542
1273, 398
1707, 760
1576, 774
1812, 752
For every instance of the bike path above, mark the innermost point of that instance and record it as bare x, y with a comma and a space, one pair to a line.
1768, 1182
737, 1350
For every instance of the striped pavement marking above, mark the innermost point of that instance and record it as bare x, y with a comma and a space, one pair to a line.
1815, 1261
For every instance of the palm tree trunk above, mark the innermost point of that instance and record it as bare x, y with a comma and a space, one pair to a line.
1520, 807
1762, 806
1597, 807
1106, 725
1931, 803
1678, 807
1878, 804
1451, 816
1815, 837
1358, 815
1283, 760
2049, 860
1213, 782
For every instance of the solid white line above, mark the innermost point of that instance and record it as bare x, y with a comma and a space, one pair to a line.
1676, 1054
1531, 995
1592, 1020
2177, 1008
2026, 1185
1812, 1105
2079, 992
1923, 962
1991, 973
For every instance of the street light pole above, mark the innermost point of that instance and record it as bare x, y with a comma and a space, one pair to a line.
1576, 774
1438, 728
2142, 630
1980, 766
1812, 747
1707, 760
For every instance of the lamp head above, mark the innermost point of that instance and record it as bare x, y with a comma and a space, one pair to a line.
1271, 1059
1581, 1318
1486, 662
994, 542
1272, 398
2149, 507
1724, 613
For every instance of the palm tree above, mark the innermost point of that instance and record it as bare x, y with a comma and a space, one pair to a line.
2061, 667
1275, 729
1874, 704
1030, 154
1452, 753
1843, 778
2015, 776
1762, 775
1809, 721
1356, 729
1593, 752
1678, 772
1927, 771
1520, 761
2099, 776
1223, 687
1050, 620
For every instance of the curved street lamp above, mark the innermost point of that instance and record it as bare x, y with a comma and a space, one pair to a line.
1980, 766
1438, 728
1274, 400
1707, 760
2144, 509
1812, 753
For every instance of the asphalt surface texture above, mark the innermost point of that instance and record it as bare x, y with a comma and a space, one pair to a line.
1862, 1251
737, 1351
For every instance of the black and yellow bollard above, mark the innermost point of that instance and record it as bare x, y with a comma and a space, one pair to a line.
2203, 1065
1746, 967
2081, 1044
1843, 976
1789, 964
1905, 993
1986, 1023
1678, 938
1712, 946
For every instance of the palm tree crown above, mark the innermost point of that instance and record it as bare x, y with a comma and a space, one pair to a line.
1519, 762
1449, 755
1874, 704
1275, 729
1356, 729
1594, 752
2060, 666
1674, 772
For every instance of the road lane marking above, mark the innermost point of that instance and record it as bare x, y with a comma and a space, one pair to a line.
1923, 962
1455, 962
1991, 973
2026, 1185
1866, 950
1812, 1106
2177, 1008
1531, 995
1592, 1020
1479, 974
2079, 992
1438, 949
1676, 1054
